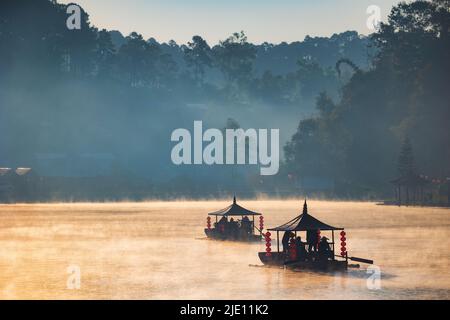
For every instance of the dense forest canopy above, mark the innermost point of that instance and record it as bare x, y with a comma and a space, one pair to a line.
90, 102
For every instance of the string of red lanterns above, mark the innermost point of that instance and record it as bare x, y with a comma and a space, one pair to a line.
343, 244
208, 223
318, 240
268, 244
261, 223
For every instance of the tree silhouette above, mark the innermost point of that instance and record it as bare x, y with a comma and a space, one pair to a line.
234, 57
105, 55
405, 164
198, 57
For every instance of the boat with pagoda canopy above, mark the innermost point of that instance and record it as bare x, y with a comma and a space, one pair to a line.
234, 223
316, 254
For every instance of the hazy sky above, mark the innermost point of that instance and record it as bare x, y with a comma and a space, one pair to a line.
262, 20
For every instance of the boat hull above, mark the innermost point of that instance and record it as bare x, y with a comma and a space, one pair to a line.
215, 235
279, 259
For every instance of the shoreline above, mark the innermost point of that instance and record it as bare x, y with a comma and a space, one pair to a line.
199, 200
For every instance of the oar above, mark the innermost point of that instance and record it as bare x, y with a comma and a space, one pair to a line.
358, 259
287, 263
361, 260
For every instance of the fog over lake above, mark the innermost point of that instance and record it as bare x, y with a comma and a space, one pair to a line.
157, 250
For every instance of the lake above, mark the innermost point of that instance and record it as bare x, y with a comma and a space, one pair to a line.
158, 250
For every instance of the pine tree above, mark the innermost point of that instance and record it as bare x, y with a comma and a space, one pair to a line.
406, 165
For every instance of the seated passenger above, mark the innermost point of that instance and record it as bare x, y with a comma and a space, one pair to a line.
312, 240
222, 224
301, 250
324, 249
233, 228
246, 225
285, 241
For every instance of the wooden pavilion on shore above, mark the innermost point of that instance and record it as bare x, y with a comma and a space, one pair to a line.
410, 189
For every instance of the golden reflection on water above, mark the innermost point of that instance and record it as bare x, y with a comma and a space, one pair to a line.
156, 250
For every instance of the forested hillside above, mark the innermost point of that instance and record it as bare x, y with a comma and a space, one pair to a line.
90, 102
356, 139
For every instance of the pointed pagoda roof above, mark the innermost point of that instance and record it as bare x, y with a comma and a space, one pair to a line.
305, 222
234, 210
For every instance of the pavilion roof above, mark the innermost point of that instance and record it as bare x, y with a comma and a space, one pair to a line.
305, 222
234, 210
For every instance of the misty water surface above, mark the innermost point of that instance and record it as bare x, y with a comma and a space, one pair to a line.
157, 250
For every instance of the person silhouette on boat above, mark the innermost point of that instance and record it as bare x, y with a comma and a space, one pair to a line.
233, 228
300, 248
246, 225
222, 224
285, 241
312, 240
324, 249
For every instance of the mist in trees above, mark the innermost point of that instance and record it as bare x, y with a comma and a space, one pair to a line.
90, 102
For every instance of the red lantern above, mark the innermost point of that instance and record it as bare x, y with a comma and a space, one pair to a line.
343, 244
343, 238
342, 233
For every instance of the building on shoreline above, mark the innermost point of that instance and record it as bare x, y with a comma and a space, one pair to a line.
422, 190
18, 184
